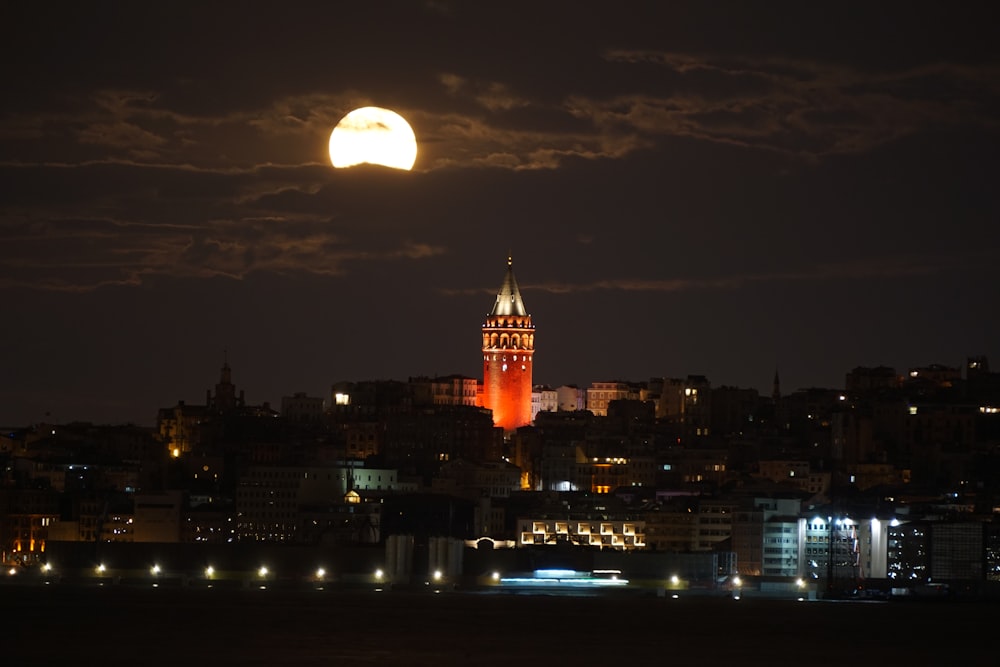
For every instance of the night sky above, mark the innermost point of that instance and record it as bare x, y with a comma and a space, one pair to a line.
714, 188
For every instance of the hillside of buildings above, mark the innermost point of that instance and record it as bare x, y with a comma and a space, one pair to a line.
890, 480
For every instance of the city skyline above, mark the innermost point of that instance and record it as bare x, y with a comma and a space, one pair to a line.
719, 189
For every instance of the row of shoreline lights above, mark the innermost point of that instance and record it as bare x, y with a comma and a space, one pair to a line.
319, 575
209, 572
379, 575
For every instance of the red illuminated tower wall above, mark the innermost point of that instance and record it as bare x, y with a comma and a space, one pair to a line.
508, 351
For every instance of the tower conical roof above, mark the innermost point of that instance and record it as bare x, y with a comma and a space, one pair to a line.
509, 297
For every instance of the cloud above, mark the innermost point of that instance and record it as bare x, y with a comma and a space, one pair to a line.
83, 254
800, 108
884, 267
490, 95
134, 184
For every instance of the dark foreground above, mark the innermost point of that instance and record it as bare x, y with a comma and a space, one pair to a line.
119, 625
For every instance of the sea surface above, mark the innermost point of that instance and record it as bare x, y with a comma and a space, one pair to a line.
66, 624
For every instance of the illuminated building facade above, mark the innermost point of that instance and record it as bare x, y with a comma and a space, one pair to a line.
543, 399
508, 351
448, 390
600, 395
607, 534
25, 517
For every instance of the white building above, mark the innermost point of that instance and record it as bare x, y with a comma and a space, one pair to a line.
570, 398
543, 399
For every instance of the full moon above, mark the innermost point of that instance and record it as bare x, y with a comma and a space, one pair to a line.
372, 135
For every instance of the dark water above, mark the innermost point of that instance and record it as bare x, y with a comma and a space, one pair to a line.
121, 625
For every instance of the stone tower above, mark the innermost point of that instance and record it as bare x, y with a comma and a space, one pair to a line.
508, 351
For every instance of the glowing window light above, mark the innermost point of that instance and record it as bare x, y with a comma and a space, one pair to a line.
560, 578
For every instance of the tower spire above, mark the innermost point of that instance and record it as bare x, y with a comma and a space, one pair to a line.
509, 300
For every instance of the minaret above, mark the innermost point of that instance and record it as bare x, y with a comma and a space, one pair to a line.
508, 348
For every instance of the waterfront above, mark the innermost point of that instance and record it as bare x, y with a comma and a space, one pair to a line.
117, 625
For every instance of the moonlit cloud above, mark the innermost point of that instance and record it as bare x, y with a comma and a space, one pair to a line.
799, 107
890, 268
252, 172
